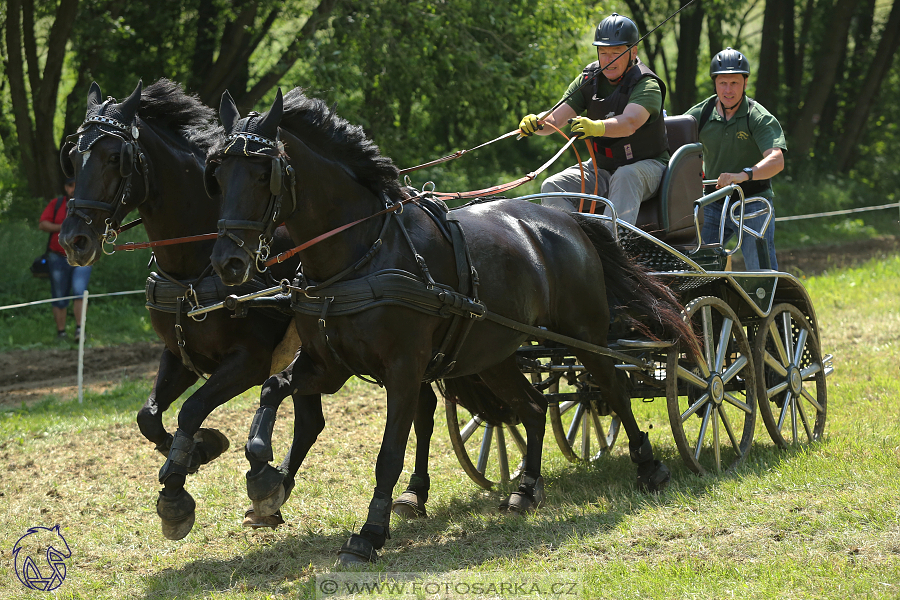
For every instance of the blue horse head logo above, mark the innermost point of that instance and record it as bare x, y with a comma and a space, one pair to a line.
49, 547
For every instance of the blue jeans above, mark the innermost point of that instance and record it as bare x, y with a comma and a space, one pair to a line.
64, 277
712, 213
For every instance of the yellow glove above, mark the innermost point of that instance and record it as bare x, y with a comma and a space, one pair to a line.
587, 128
529, 124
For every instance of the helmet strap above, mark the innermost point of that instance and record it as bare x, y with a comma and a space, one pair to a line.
736, 104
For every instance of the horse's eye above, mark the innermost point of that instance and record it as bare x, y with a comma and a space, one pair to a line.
114, 158
263, 178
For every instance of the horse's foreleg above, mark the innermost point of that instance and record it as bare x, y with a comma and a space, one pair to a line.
193, 446
172, 379
652, 474
411, 503
401, 402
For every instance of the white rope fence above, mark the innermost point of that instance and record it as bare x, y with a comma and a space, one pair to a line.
837, 212
84, 299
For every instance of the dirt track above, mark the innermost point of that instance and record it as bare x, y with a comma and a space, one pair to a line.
29, 375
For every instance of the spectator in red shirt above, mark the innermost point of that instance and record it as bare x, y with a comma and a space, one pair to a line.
65, 280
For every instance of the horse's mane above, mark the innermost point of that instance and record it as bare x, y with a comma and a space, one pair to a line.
333, 137
165, 104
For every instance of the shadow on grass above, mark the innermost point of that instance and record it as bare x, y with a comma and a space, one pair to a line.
464, 532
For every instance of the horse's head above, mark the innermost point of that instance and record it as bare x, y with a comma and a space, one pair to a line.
103, 156
252, 173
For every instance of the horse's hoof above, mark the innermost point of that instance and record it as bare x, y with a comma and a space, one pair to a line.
520, 503
267, 490
252, 520
176, 513
653, 477
211, 444
266, 507
356, 551
407, 505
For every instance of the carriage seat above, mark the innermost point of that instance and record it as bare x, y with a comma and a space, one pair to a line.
669, 214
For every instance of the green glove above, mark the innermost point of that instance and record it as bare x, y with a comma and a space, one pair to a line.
529, 124
587, 128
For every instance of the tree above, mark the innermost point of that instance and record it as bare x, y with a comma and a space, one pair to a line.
34, 89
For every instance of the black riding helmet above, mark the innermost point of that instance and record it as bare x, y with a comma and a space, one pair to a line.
616, 30
729, 61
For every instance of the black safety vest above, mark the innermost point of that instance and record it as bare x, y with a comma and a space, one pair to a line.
649, 141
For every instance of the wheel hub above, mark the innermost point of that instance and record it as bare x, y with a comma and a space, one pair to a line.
795, 380
716, 389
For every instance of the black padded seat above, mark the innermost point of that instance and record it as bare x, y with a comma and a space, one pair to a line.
669, 215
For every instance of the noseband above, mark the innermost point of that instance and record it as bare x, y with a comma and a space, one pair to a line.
283, 175
131, 160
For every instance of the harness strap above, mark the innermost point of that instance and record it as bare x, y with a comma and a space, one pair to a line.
337, 357
179, 337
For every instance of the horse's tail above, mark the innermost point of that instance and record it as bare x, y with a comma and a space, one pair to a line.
473, 394
636, 290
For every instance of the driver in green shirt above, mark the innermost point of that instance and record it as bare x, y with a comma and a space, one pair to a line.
744, 144
624, 122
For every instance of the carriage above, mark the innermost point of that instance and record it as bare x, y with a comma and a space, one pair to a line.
758, 331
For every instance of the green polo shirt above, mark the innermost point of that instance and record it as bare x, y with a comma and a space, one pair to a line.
646, 93
730, 146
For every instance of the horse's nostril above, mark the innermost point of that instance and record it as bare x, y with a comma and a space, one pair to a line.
80, 243
236, 266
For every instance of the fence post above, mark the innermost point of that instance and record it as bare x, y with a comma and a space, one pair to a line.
84, 305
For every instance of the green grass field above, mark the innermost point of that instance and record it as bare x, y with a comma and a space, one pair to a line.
814, 522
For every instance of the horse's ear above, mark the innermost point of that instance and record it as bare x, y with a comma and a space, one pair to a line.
129, 107
228, 112
94, 97
268, 123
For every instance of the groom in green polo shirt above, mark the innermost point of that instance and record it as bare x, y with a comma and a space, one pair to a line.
742, 143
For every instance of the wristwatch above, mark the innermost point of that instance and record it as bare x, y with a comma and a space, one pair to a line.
749, 172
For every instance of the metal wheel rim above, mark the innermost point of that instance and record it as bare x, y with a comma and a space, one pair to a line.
498, 452
800, 418
713, 424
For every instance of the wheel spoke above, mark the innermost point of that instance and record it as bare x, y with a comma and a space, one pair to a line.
784, 410
777, 389
564, 407
586, 436
794, 417
807, 373
702, 433
470, 428
811, 400
801, 345
779, 345
735, 368
700, 403
601, 434
722, 349
717, 450
691, 378
517, 438
706, 320
576, 423
485, 450
788, 334
804, 420
502, 456
729, 430
773, 364
738, 403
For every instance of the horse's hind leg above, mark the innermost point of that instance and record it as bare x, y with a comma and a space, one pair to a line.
411, 503
508, 383
172, 380
652, 474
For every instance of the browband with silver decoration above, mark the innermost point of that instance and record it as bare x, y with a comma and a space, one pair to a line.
105, 121
250, 137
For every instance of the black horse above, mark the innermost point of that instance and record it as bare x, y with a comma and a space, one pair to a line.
379, 298
148, 153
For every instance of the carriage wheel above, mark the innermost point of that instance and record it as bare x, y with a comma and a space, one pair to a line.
581, 432
712, 397
486, 452
790, 376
